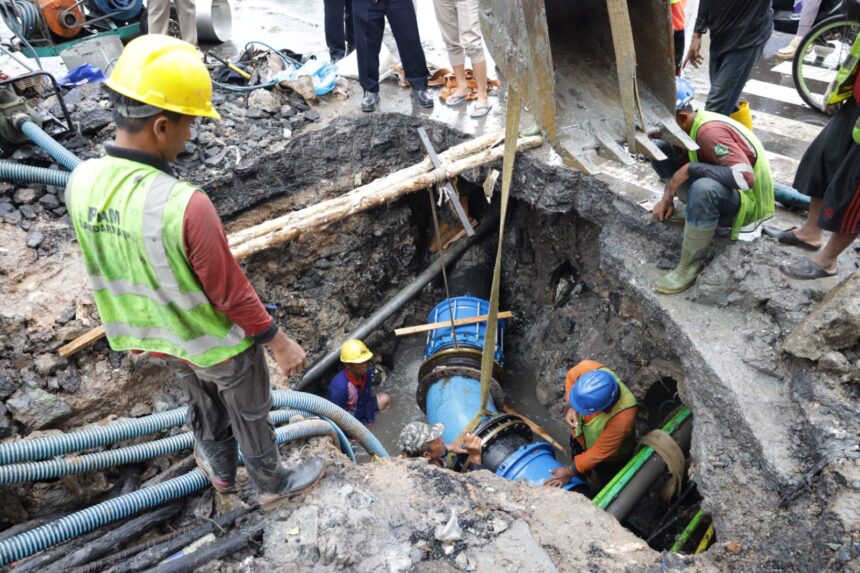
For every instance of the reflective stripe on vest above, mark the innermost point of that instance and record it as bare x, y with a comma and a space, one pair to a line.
128, 218
757, 204
593, 429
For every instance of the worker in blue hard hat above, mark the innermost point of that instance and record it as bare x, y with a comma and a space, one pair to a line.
602, 417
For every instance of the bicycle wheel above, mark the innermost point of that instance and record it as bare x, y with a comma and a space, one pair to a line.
819, 56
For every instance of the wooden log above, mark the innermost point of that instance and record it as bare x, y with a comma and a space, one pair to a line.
83, 341
455, 153
282, 229
326, 212
447, 323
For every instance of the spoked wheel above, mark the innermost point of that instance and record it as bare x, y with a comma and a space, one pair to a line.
819, 56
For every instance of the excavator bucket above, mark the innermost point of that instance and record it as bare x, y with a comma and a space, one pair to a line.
594, 73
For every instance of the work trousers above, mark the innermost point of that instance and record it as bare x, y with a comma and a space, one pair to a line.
709, 202
729, 73
158, 17
229, 399
461, 30
339, 32
369, 19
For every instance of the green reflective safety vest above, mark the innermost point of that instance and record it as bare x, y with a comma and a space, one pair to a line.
593, 429
128, 219
757, 203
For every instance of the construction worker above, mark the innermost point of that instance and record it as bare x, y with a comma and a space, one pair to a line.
602, 419
158, 18
678, 10
352, 388
164, 279
726, 183
420, 440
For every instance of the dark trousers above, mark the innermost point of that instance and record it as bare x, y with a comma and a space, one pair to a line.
709, 202
339, 33
678, 37
369, 20
729, 73
230, 399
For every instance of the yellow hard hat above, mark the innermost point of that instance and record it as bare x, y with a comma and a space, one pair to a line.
353, 351
165, 73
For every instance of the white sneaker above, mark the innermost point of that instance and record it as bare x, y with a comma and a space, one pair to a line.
787, 53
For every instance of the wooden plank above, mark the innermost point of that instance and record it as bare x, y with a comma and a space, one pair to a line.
447, 323
82, 341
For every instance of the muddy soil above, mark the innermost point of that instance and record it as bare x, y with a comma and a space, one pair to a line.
775, 442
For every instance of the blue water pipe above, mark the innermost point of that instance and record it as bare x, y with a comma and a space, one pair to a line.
78, 523
534, 463
50, 469
454, 402
10, 171
789, 196
102, 435
468, 335
47, 143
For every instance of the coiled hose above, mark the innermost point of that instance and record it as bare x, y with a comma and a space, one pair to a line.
267, 85
40, 471
74, 525
10, 171
50, 145
97, 436
22, 18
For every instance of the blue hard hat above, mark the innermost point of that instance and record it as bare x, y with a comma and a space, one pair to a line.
684, 93
595, 391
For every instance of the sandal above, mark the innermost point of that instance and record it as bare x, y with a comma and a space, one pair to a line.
787, 237
478, 110
454, 100
804, 270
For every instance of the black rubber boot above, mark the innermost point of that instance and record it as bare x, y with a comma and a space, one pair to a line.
219, 460
276, 482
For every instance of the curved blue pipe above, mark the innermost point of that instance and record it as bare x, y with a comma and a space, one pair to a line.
789, 196
97, 436
10, 171
534, 463
40, 538
44, 470
454, 402
50, 145
469, 335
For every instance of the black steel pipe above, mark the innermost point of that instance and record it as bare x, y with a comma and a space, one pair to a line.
626, 500
382, 314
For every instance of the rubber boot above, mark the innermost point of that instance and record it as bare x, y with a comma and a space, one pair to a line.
743, 116
693, 253
679, 214
276, 482
219, 461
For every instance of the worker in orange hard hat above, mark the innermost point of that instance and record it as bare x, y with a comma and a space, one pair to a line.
352, 388
164, 279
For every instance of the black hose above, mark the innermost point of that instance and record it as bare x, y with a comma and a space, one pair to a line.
104, 562
220, 548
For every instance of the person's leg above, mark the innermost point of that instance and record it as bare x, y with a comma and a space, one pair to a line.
678, 37
826, 257
369, 21
404, 26
334, 28
383, 401
158, 16
709, 203
186, 12
348, 26
243, 388
674, 159
729, 78
808, 14
810, 232
473, 43
215, 449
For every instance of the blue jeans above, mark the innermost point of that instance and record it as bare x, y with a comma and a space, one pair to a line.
709, 202
729, 73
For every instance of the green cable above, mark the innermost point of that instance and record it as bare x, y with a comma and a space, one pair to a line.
688, 531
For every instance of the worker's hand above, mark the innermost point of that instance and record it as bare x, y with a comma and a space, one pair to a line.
694, 55
472, 444
663, 209
560, 476
289, 355
571, 418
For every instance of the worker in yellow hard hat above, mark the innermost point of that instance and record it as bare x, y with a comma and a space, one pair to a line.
164, 279
352, 388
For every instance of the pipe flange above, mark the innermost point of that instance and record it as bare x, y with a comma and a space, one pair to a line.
441, 372
491, 430
462, 356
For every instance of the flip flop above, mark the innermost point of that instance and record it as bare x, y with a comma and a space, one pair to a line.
787, 237
454, 100
804, 270
479, 110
